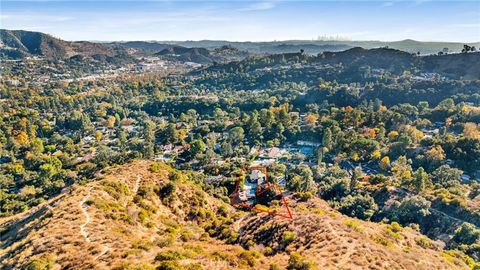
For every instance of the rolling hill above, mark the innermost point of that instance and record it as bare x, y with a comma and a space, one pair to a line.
19, 43
142, 215
459, 65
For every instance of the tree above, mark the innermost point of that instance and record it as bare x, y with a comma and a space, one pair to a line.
385, 163
255, 130
237, 135
311, 119
445, 174
98, 135
402, 170
420, 180
149, 133
467, 154
37, 146
466, 48
300, 179
423, 106
466, 234
327, 139
434, 156
169, 134
359, 206
22, 138
197, 147
471, 131
111, 121
411, 210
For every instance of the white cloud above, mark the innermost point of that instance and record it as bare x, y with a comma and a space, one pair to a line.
258, 6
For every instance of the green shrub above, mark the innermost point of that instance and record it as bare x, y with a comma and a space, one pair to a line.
167, 190
288, 237
382, 241
274, 266
156, 167
423, 242
169, 255
42, 263
194, 266
140, 244
115, 189
169, 265
268, 251
352, 224
248, 257
298, 262
466, 234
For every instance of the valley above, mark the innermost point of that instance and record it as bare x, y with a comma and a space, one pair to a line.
155, 154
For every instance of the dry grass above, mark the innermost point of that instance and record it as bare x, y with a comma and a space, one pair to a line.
131, 227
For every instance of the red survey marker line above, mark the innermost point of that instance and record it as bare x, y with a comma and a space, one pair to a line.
268, 187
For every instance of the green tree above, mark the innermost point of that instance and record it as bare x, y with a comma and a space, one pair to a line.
327, 139
466, 234
197, 147
420, 180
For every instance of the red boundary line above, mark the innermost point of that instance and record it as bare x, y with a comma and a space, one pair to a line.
289, 216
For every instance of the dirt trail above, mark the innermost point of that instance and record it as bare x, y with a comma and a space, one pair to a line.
87, 216
237, 227
134, 191
88, 219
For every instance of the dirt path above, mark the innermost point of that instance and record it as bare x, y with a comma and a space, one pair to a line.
83, 232
88, 219
236, 225
133, 192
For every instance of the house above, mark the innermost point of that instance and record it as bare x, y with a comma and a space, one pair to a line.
88, 139
247, 192
214, 179
254, 179
274, 152
257, 176
263, 162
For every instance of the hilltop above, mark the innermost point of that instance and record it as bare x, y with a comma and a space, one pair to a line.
19, 43
150, 215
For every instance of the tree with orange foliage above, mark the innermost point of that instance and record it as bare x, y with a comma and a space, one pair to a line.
471, 131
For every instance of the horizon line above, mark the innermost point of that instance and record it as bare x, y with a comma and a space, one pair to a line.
252, 41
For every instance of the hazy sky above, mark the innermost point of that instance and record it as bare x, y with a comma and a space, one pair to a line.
246, 20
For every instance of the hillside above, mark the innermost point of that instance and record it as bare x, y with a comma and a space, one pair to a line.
133, 216
202, 55
19, 43
354, 61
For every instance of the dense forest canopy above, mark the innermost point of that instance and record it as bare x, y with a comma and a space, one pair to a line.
396, 136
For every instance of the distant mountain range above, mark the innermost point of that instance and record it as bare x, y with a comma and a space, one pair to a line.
19, 44
317, 46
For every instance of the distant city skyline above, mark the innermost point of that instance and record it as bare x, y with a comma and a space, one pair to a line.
449, 21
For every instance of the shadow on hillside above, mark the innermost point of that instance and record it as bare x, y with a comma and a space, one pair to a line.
17, 230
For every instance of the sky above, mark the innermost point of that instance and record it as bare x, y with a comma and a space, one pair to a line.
238, 20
